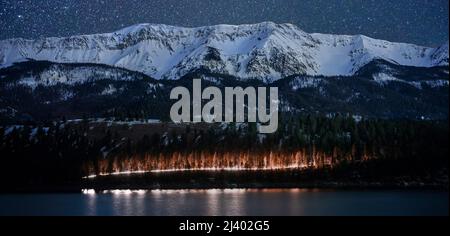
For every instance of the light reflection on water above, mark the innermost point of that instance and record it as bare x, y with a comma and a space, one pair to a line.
228, 202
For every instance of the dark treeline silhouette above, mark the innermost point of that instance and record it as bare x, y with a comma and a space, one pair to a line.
62, 153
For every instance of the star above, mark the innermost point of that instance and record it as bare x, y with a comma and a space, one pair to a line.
419, 22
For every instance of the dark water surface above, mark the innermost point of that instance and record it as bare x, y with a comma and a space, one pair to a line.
229, 202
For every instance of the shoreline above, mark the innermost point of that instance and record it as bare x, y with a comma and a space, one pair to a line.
322, 186
204, 180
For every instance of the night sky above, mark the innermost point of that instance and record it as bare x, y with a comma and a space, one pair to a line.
423, 22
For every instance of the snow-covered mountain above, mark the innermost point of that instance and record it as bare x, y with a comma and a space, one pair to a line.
265, 51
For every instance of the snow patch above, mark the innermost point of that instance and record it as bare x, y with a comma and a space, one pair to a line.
109, 90
384, 79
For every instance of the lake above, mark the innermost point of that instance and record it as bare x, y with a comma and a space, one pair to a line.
229, 202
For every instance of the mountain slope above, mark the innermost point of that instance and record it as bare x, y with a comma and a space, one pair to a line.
265, 51
36, 91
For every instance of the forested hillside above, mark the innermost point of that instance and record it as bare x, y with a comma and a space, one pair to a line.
65, 152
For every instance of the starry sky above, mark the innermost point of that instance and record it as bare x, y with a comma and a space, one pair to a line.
423, 22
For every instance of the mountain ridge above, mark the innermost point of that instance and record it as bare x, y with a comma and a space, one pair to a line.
266, 51
39, 90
